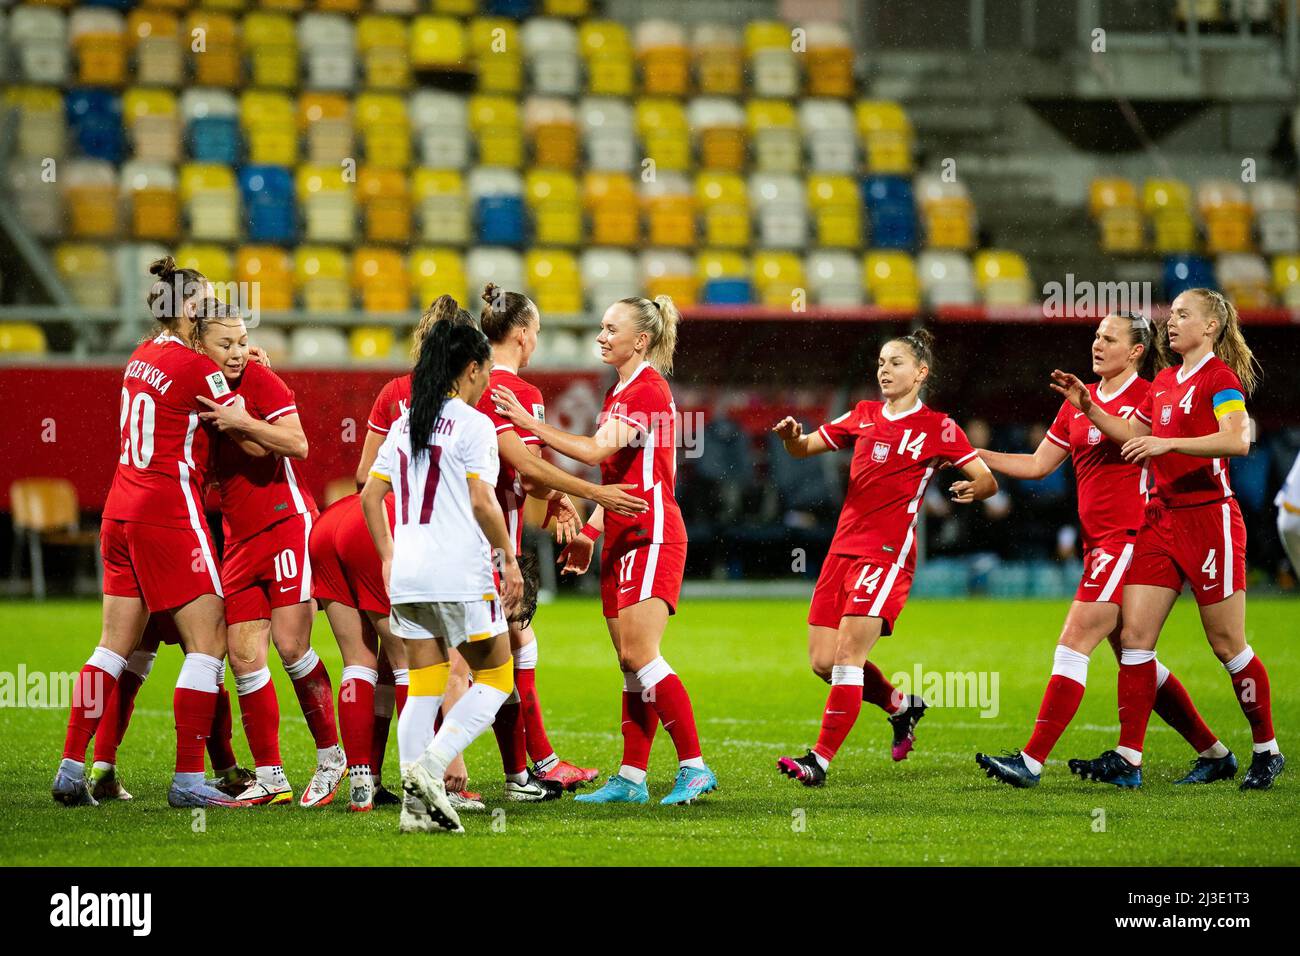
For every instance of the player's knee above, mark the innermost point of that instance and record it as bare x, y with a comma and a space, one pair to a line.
821, 665
501, 677
1225, 644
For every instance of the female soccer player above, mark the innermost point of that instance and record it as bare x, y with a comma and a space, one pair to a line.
440, 462
266, 571
1288, 515
1191, 420
158, 554
644, 555
1110, 512
897, 446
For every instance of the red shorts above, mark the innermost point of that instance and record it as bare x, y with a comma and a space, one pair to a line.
631, 575
859, 587
1105, 569
269, 570
345, 566
1204, 546
165, 567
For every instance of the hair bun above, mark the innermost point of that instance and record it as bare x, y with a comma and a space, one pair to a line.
925, 337
490, 292
164, 268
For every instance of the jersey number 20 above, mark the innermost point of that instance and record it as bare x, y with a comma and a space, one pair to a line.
137, 441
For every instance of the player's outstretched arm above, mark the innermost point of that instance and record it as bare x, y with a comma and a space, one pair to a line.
487, 512
1118, 430
1230, 441
1046, 458
588, 449
539, 477
980, 483
797, 444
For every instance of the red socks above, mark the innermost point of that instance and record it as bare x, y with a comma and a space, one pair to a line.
260, 710
842, 709
1060, 703
91, 696
1136, 696
195, 707
1250, 684
673, 705
539, 747
1174, 706
112, 728
639, 723
220, 750
509, 730
876, 689
316, 698
357, 713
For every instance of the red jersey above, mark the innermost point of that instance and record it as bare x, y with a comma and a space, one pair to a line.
258, 492
510, 490
649, 462
392, 402
1188, 406
1110, 488
894, 458
165, 448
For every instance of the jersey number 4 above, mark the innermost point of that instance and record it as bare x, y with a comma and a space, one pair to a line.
137, 440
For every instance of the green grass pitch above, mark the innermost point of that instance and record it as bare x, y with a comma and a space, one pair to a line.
744, 664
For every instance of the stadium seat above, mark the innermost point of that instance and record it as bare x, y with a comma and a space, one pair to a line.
552, 128
774, 134
947, 213
780, 210
321, 281
39, 38
210, 202
211, 260
724, 209
779, 280
724, 277
1227, 216
268, 270
890, 279
41, 120
664, 132
40, 202
607, 52
891, 211
214, 50
274, 342
495, 124
384, 129
554, 208
95, 121
1275, 206
268, 196
90, 191
719, 59
439, 43
608, 275
834, 278
441, 125
22, 338
381, 278
442, 205
328, 44
270, 43
327, 203
371, 343
318, 346
1286, 280
1113, 204
484, 264
607, 134
45, 510
1002, 278
827, 127
88, 274
153, 122
663, 57
837, 211
769, 47
1244, 278
384, 44
438, 272
829, 60
211, 120
669, 207
946, 278
671, 273
611, 201
385, 204
497, 195
154, 39
270, 127
719, 127
551, 51
325, 119
886, 134
151, 192
497, 53
1184, 272
553, 281
98, 37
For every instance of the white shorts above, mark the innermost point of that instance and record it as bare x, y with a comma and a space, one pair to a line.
1288, 528
456, 622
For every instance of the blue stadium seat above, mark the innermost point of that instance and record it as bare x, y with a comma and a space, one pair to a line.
214, 139
267, 192
95, 121
891, 210
122, 5
729, 291
515, 9
501, 220
1187, 272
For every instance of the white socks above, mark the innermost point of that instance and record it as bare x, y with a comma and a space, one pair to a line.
634, 774
303, 665
201, 672
1238, 663
415, 726
1069, 663
653, 673
526, 657
472, 715
1032, 765
844, 674
251, 683
110, 662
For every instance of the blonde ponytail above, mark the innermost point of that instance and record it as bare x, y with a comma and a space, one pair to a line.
658, 319
1229, 342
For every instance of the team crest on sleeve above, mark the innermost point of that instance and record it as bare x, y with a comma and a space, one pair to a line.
1166, 412
539, 413
217, 384
1094, 434
880, 451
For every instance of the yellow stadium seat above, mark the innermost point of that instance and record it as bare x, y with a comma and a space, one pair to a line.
830, 70
1111, 193
572, 9
385, 129
321, 280
212, 260
1286, 280
327, 202
612, 203
1121, 230
497, 55
439, 43
288, 6
887, 135
384, 44
662, 125
94, 210
552, 198
271, 49
88, 272
154, 37
1002, 277
339, 6
1173, 230
380, 275
720, 264
724, 209
890, 279
554, 282
670, 220
152, 118
1165, 195
269, 270
155, 210
455, 8
665, 67
444, 209
723, 147
21, 338
385, 203
326, 120
438, 272
607, 50
1228, 228
836, 205
214, 49
494, 121
551, 128
766, 35
719, 64
372, 343
778, 278
101, 56
270, 127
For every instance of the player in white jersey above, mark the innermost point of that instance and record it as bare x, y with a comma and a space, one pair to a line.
1288, 515
440, 463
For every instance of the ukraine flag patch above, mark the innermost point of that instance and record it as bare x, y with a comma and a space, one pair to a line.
1228, 401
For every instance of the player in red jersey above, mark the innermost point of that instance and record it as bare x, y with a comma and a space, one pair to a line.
158, 554
266, 570
1110, 512
512, 324
1182, 433
644, 555
898, 444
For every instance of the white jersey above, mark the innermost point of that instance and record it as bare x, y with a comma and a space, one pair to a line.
1290, 491
439, 551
